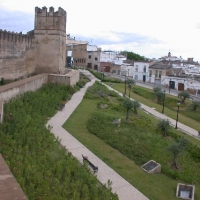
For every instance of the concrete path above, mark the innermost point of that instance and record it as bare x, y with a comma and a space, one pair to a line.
120, 186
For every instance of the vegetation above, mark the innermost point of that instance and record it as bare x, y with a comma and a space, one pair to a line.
128, 104
159, 94
40, 164
183, 95
177, 148
136, 106
195, 105
132, 56
164, 126
2, 81
106, 78
138, 139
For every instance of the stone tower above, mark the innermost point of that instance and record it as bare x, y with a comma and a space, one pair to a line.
50, 40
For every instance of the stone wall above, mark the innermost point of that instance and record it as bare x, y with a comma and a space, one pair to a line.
50, 40
17, 57
16, 88
42, 50
70, 78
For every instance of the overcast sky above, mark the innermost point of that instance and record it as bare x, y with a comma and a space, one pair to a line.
148, 27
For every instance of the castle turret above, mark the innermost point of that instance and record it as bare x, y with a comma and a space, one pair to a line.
50, 40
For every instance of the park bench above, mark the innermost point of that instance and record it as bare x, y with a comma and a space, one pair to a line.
61, 106
85, 159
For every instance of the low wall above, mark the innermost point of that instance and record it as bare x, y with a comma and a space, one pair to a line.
9, 187
19, 87
70, 78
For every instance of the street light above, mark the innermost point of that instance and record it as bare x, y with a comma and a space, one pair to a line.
125, 86
177, 115
129, 86
163, 101
169, 85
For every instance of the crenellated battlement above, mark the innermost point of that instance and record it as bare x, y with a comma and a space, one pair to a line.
51, 20
16, 37
44, 13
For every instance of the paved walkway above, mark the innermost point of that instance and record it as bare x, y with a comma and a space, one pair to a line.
120, 186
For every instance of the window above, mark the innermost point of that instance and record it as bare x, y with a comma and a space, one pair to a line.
136, 68
160, 73
150, 73
89, 56
96, 58
156, 73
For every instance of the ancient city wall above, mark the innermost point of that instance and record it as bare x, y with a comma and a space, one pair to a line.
42, 50
50, 40
16, 54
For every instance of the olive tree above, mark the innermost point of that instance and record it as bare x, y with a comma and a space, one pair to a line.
164, 126
158, 93
176, 149
128, 104
136, 105
183, 95
195, 105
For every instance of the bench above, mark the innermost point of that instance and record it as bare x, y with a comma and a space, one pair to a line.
85, 159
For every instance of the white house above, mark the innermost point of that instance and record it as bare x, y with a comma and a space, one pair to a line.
141, 70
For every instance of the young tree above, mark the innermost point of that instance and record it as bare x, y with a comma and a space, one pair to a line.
183, 95
160, 95
156, 89
136, 105
128, 104
176, 149
164, 126
2, 81
195, 105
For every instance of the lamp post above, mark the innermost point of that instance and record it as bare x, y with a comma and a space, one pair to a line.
129, 86
169, 85
125, 86
163, 102
177, 115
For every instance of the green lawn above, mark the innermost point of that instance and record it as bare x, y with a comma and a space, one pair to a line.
168, 108
158, 186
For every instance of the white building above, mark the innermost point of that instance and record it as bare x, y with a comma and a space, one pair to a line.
140, 70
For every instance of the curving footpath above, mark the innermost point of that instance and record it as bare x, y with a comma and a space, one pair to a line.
124, 190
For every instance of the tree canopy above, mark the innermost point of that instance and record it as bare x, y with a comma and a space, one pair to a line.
132, 56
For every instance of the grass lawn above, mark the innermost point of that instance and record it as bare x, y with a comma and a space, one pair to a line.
158, 186
168, 111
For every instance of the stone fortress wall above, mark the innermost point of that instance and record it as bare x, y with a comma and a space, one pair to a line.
50, 40
42, 50
16, 54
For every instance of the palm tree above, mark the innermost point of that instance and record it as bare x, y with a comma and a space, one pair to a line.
176, 149
164, 126
128, 104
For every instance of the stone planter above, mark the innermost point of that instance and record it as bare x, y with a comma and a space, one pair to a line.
184, 191
151, 167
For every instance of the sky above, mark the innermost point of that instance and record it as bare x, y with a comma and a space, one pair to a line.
150, 28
